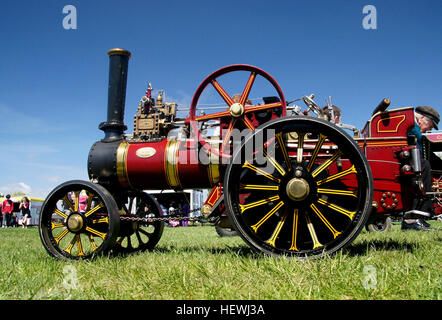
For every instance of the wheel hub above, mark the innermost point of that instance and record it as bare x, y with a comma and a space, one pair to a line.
75, 222
297, 189
236, 109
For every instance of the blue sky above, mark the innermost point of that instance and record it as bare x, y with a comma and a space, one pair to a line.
53, 82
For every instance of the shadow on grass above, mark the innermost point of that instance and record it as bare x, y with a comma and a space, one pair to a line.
243, 251
368, 246
240, 250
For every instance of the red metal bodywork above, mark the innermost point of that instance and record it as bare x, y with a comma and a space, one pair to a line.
384, 137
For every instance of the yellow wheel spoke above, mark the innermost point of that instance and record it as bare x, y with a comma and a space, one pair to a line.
325, 165
77, 200
61, 235
89, 200
294, 230
300, 151
284, 151
259, 187
278, 228
71, 244
267, 216
75, 240
316, 151
95, 209
338, 175
274, 163
326, 222
261, 172
348, 213
97, 233
80, 246
101, 220
61, 214
311, 230
245, 207
55, 225
338, 192
68, 202
91, 239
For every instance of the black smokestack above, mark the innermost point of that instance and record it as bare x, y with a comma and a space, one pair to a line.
118, 65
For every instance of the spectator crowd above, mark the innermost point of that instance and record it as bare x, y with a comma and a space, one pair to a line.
9, 217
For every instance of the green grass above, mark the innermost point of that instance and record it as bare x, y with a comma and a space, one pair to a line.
195, 263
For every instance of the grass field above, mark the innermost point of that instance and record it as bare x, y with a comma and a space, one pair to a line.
195, 263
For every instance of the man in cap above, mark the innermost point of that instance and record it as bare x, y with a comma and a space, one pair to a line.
430, 114
426, 118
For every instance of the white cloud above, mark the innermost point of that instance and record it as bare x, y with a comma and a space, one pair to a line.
16, 187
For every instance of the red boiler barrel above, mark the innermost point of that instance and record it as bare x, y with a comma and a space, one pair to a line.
166, 164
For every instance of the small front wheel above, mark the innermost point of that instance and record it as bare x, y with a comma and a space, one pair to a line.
79, 220
135, 235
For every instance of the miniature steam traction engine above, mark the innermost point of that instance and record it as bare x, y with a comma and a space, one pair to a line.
290, 184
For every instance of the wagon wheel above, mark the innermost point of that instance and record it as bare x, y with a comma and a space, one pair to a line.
303, 197
237, 113
140, 236
78, 220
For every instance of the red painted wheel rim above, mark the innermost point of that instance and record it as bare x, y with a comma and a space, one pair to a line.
212, 79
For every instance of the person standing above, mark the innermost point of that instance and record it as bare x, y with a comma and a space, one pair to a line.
1, 214
186, 210
24, 207
172, 212
7, 208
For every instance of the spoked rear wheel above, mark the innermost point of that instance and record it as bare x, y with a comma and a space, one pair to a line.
299, 187
139, 235
79, 220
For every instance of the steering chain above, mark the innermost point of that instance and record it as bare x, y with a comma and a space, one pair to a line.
170, 217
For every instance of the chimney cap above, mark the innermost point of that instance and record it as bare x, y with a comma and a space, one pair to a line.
119, 51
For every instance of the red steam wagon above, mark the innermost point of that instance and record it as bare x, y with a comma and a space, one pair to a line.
289, 183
